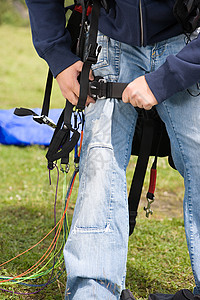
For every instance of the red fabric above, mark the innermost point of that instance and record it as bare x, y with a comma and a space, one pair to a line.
79, 9
152, 184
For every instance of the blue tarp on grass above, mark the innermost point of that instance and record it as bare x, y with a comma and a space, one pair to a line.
25, 131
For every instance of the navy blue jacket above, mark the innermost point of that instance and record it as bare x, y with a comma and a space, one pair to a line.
135, 22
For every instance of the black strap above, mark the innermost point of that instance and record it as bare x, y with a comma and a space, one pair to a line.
100, 89
140, 171
22, 112
114, 89
187, 14
91, 56
43, 118
47, 94
64, 139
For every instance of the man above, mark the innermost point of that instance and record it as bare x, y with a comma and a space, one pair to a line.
142, 43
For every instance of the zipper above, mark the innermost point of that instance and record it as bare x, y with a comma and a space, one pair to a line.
141, 24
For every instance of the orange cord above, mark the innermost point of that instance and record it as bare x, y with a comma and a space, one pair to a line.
55, 238
81, 141
57, 235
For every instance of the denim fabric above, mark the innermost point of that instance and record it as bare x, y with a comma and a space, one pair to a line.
96, 249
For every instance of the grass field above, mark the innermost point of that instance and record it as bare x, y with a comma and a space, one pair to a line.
158, 260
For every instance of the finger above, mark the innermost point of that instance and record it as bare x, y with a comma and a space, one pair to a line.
144, 103
79, 66
91, 76
89, 100
76, 88
148, 107
73, 98
137, 102
125, 97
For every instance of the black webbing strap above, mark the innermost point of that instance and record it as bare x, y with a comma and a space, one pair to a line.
100, 89
47, 94
43, 118
92, 54
140, 171
114, 89
23, 112
80, 43
64, 139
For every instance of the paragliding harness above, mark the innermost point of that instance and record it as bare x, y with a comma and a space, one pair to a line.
150, 138
187, 12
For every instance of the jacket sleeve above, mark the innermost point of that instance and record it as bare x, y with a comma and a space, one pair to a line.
50, 37
178, 73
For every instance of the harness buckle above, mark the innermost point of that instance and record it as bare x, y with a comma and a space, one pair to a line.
44, 120
148, 209
64, 167
97, 89
93, 53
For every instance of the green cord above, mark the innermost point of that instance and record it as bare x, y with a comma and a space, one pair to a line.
53, 255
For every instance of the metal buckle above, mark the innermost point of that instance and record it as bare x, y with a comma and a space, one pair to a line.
148, 209
93, 53
65, 168
45, 120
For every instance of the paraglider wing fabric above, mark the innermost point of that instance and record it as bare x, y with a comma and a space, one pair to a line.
23, 131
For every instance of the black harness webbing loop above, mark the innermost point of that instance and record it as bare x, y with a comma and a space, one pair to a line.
64, 139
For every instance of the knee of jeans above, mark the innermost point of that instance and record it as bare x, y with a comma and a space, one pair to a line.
94, 203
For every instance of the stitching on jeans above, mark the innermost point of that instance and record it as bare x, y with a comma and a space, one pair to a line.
189, 194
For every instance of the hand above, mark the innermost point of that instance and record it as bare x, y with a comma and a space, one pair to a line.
69, 85
139, 94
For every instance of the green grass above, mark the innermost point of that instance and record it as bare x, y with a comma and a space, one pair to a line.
158, 260
9, 14
27, 207
22, 72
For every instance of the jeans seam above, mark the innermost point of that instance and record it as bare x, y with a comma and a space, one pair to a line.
186, 172
117, 56
110, 215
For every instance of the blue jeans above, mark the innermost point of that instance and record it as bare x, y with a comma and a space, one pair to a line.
96, 249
